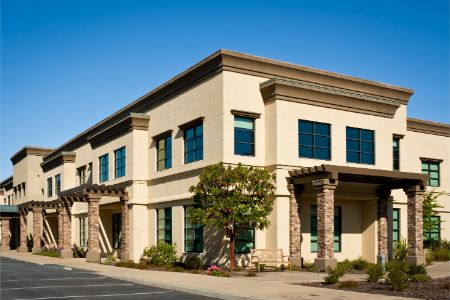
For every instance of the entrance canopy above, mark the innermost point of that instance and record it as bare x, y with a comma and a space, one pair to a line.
81, 193
387, 179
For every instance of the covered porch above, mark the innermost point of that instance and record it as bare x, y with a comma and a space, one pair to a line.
361, 199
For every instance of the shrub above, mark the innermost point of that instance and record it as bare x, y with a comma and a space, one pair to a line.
375, 272
400, 250
160, 255
125, 264
110, 260
345, 265
428, 256
214, 271
194, 263
141, 265
178, 269
78, 252
307, 264
397, 275
313, 269
420, 278
360, 264
348, 284
50, 251
441, 253
333, 274
414, 269
250, 273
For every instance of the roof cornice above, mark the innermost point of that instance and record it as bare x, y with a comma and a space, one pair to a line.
60, 159
29, 150
428, 127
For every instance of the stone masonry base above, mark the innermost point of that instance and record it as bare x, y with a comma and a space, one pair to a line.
36, 250
23, 249
322, 263
418, 260
93, 256
4, 248
66, 254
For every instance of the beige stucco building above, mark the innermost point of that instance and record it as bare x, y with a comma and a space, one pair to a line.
337, 144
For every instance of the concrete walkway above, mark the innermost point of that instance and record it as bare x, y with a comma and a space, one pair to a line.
266, 285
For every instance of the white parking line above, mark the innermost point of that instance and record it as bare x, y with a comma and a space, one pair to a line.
65, 286
45, 279
83, 296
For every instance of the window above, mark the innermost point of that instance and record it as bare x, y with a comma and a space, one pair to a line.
396, 153
119, 162
164, 153
337, 228
57, 184
244, 136
49, 187
193, 144
193, 234
82, 175
434, 234
244, 241
431, 168
314, 140
103, 163
83, 234
360, 146
164, 225
23, 188
396, 225
116, 230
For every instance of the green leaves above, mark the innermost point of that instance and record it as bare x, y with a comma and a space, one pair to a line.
430, 209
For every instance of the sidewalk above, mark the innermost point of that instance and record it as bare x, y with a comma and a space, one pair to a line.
264, 286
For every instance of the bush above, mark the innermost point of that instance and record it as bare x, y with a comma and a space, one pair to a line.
441, 254
250, 273
333, 274
125, 264
345, 265
50, 251
360, 264
110, 260
78, 252
307, 264
348, 284
375, 272
400, 250
397, 275
428, 256
161, 255
414, 269
214, 271
194, 263
420, 278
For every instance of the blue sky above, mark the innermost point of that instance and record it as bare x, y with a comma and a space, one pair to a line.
65, 65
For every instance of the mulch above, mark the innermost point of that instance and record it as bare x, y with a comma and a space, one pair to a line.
435, 289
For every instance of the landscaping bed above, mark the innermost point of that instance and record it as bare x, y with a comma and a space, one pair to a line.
434, 289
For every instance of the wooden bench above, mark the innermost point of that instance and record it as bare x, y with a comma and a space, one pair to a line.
272, 257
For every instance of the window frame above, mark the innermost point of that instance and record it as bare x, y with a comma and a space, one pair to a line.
427, 234
165, 229
167, 150
49, 187
120, 162
360, 142
314, 136
195, 229
82, 232
195, 140
116, 230
81, 171
398, 221
251, 131
428, 171
103, 168
57, 184
396, 153
239, 239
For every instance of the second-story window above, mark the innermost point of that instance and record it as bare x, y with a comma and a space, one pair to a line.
314, 140
360, 146
193, 144
57, 184
431, 168
82, 175
103, 167
119, 162
396, 153
164, 153
49, 187
244, 136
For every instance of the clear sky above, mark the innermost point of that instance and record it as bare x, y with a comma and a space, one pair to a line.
67, 64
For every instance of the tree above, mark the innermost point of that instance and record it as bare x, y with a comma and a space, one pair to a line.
430, 206
233, 198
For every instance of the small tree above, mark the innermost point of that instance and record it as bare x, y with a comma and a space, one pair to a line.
233, 198
430, 206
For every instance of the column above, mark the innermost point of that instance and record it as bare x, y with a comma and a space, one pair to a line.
37, 229
294, 228
125, 243
6, 238
66, 242
415, 225
23, 231
325, 223
382, 225
60, 212
93, 252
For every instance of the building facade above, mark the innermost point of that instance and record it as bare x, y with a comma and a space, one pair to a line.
351, 166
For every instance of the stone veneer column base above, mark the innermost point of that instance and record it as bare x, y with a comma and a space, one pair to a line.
322, 263
93, 256
382, 259
296, 261
23, 249
66, 254
5, 248
36, 250
418, 260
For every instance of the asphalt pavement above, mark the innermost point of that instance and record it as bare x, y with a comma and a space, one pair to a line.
23, 280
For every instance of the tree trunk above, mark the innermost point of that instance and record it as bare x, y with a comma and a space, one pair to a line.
232, 257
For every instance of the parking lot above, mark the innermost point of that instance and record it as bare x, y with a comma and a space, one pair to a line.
22, 280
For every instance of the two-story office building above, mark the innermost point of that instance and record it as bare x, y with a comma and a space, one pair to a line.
351, 166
